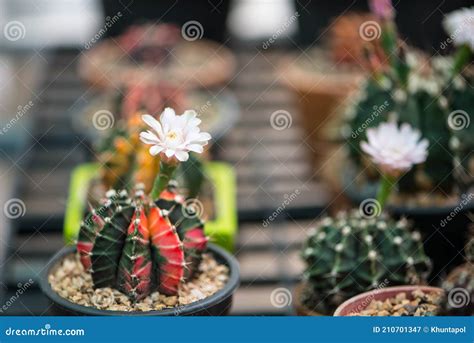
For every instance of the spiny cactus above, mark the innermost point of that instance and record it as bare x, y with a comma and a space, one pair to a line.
133, 245
421, 104
186, 218
351, 254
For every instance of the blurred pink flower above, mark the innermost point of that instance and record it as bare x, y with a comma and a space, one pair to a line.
383, 9
393, 149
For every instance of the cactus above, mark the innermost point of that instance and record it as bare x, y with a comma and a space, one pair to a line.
131, 244
462, 141
124, 159
351, 254
422, 105
459, 287
185, 217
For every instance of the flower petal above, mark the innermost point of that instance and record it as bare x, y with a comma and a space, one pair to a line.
153, 123
182, 155
155, 150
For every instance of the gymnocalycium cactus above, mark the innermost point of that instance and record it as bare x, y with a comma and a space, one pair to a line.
134, 245
137, 243
351, 254
416, 90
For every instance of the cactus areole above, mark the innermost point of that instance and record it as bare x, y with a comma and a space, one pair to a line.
138, 246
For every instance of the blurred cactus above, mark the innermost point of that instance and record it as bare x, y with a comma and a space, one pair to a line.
421, 104
351, 254
461, 123
125, 159
459, 287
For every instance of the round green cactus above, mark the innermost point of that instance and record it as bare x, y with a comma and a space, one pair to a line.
353, 253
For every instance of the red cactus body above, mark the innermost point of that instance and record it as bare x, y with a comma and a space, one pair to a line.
168, 251
135, 266
190, 228
133, 245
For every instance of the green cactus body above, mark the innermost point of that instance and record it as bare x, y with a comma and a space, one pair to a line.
134, 270
133, 246
351, 254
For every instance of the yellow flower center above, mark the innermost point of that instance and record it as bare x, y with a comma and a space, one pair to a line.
172, 135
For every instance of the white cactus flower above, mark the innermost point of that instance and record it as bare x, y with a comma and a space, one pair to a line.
395, 150
460, 26
173, 135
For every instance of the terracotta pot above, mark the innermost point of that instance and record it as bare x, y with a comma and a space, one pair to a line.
360, 302
321, 97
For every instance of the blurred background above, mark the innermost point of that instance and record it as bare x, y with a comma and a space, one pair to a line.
55, 75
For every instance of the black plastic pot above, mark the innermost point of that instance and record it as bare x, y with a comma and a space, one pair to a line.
218, 304
445, 230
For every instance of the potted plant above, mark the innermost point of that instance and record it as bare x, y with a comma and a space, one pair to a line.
366, 249
355, 252
421, 92
414, 301
140, 253
151, 53
124, 161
